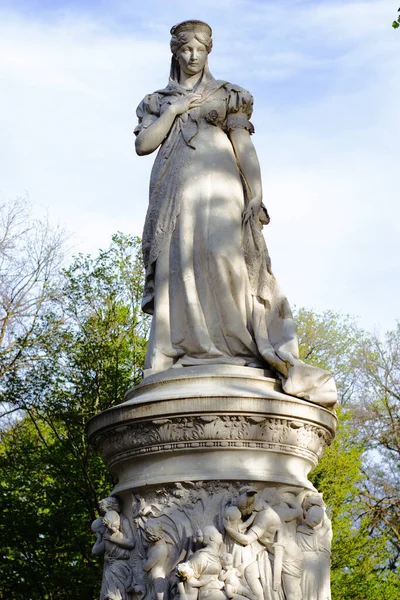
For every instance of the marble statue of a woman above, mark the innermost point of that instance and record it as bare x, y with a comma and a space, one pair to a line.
209, 284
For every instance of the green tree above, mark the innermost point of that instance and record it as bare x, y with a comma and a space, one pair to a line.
44, 507
378, 418
94, 354
396, 24
334, 341
31, 254
364, 565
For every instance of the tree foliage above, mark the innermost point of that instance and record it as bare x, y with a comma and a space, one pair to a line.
52, 487
31, 253
378, 417
362, 494
334, 342
396, 23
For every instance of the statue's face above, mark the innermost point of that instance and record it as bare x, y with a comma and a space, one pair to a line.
245, 504
211, 534
314, 516
192, 57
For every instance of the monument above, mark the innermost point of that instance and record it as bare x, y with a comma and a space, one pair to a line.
212, 450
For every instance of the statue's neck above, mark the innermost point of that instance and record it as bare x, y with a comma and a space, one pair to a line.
188, 82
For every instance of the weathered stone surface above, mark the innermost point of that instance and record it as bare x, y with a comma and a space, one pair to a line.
209, 283
213, 422
221, 539
211, 452
198, 451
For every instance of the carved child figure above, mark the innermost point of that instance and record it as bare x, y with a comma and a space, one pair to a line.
155, 564
189, 584
114, 540
117, 576
234, 517
232, 578
111, 503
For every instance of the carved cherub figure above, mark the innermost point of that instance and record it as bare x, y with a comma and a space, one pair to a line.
233, 580
117, 575
189, 584
114, 540
99, 529
233, 517
156, 561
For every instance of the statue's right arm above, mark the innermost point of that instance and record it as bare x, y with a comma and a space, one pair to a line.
200, 582
151, 137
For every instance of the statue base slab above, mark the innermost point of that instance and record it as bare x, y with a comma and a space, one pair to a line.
202, 454
211, 423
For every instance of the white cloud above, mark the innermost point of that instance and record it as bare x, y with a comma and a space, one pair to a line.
67, 115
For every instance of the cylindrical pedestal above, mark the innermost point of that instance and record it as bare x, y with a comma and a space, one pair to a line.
190, 443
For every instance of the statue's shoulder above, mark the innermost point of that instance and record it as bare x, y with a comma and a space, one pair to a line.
239, 101
239, 98
237, 89
149, 105
233, 87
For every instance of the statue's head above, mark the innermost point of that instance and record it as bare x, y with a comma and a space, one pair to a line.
109, 503
227, 560
233, 515
191, 43
314, 516
154, 530
246, 499
185, 571
211, 534
112, 520
312, 499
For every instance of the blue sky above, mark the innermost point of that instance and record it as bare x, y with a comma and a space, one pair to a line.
326, 83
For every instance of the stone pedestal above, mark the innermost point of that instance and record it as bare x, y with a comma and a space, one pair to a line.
192, 443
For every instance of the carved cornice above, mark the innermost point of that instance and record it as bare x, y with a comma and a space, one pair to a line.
199, 432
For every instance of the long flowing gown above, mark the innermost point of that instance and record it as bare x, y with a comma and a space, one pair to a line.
209, 283
315, 545
117, 575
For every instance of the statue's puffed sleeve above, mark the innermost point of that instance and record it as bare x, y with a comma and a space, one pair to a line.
240, 109
147, 112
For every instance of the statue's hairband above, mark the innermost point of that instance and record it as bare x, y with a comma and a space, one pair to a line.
192, 25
